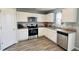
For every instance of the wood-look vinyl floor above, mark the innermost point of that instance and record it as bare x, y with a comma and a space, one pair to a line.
39, 44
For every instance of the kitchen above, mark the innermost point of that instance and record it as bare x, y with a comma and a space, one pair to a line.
46, 26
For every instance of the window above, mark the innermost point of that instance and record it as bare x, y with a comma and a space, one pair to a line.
58, 19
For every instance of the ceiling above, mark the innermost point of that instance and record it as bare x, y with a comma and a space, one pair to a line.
44, 9
36, 10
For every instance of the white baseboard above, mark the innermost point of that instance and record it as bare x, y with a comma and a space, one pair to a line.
77, 48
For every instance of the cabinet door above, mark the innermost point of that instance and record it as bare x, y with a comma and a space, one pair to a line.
51, 34
40, 17
8, 17
22, 17
69, 15
22, 34
50, 17
40, 32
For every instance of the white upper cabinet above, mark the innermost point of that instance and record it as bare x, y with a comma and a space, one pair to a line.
40, 17
69, 15
49, 17
52, 34
23, 16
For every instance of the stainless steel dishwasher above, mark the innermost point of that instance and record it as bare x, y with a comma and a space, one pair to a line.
62, 39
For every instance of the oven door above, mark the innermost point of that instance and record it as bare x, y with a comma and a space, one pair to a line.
33, 32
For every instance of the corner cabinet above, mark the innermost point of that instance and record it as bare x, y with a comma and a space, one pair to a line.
69, 15
52, 33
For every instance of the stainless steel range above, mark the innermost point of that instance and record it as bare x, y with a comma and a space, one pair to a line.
32, 27
32, 30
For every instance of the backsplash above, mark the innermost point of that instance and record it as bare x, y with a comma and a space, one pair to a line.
40, 24
21, 25
71, 25
45, 24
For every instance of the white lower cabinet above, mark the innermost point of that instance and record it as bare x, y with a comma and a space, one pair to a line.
49, 33
41, 32
22, 34
71, 41
49, 17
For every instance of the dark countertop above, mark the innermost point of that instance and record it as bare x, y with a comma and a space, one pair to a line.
56, 29
65, 31
69, 30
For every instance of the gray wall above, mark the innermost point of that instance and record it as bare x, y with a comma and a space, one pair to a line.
77, 16
77, 27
